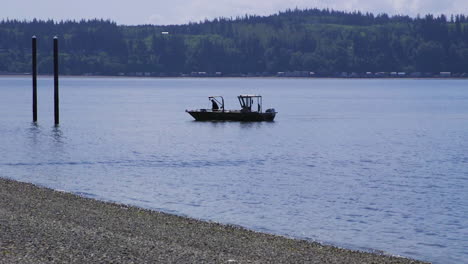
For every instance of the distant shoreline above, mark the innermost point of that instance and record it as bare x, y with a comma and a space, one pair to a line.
43, 225
231, 77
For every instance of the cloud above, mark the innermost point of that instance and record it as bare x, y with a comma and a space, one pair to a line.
184, 11
197, 10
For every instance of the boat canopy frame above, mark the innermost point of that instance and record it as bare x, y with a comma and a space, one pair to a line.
219, 100
246, 101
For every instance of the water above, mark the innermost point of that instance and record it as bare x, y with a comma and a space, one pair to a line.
364, 164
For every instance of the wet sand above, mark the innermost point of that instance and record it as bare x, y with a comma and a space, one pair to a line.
40, 225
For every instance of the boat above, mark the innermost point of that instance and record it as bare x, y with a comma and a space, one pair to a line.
251, 110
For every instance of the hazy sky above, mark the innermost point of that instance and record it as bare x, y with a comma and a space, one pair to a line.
182, 11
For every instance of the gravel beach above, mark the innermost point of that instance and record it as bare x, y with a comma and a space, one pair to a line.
40, 225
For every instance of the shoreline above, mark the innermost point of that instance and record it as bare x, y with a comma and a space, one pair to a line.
41, 225
226, 77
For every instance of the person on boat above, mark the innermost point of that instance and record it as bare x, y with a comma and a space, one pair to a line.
214, 106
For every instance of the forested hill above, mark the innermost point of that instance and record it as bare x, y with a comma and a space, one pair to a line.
322, 41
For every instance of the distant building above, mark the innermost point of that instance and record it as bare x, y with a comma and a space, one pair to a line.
381, 74
445, 74
280, 74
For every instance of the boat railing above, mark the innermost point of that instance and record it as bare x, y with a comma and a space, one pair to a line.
206, 110
211, 110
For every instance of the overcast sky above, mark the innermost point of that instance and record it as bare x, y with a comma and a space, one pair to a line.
133, 12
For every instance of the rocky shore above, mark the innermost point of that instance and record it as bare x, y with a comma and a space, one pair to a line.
40, 225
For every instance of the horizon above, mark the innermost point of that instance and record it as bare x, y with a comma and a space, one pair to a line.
147, 12
231, 18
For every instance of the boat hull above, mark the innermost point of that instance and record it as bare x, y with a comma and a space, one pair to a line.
232, 116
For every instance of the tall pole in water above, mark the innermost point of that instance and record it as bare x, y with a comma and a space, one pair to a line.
56, 82
34, 78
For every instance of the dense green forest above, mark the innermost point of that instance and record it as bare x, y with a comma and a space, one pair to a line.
312, 40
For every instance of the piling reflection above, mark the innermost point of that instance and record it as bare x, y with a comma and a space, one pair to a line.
33, 132
57, 135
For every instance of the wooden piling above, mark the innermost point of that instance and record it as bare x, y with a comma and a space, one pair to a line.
56, 82
34, 78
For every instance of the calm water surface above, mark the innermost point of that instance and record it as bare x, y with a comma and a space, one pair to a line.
364, 164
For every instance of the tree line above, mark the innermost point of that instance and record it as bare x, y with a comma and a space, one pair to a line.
314, 40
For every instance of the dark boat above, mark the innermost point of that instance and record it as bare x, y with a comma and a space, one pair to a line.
246, 113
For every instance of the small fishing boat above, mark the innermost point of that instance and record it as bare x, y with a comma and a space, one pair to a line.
251, 110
